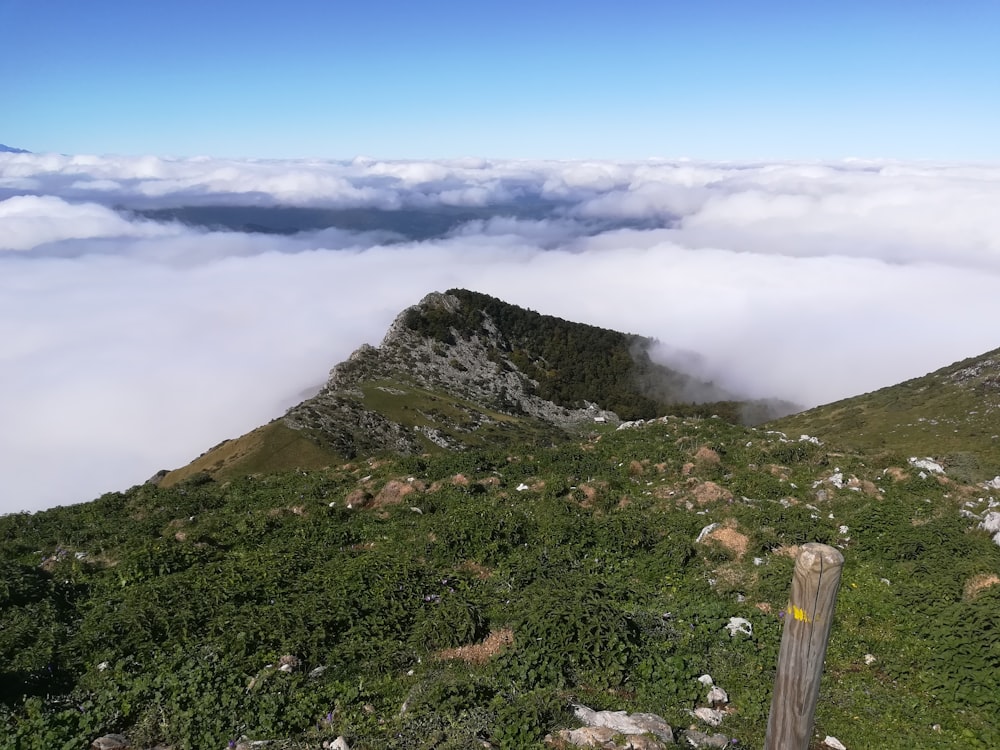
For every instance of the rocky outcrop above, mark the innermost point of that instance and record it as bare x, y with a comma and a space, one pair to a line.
475, 371
476, 368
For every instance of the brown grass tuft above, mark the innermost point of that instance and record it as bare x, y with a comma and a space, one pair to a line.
479, 653
977, 584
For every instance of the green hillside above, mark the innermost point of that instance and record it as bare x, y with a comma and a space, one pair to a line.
952, 414
456, 599
456, 541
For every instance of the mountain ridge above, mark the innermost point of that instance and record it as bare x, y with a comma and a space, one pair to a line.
462, 369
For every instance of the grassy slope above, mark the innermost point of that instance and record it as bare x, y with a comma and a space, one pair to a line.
952, 414
188, 592
273, 447
276, 447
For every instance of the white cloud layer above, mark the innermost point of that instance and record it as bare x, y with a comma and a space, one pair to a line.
132, 345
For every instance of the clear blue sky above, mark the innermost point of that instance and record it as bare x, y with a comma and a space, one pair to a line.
715, 79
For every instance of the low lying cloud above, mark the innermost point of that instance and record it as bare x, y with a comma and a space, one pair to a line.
135, 337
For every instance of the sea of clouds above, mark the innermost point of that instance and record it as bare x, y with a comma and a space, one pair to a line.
132, 343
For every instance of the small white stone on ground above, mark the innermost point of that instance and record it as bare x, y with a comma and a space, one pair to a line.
739, 625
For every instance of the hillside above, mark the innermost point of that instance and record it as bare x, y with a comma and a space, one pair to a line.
458, 599
952, 414
444, 549
463, 370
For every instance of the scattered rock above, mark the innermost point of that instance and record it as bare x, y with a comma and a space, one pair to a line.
705, 532
625, 723
927, 464
698, 739
717, 697
288, 663
110, 742
739, 625
991, 523
834, 743
711, 716
706, 679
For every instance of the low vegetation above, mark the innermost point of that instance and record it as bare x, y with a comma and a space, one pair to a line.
451, 598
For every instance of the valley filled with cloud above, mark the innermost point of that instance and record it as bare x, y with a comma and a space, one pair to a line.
152, 307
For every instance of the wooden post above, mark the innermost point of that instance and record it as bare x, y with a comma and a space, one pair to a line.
803, 645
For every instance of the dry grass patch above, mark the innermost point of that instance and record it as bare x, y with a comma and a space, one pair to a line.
728, 537
479, 571
781, 472
589, 495
392, 493
358, 498
977, 584
705, 455
479, 653
710, 492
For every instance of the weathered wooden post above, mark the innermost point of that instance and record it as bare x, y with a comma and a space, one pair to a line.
803, 646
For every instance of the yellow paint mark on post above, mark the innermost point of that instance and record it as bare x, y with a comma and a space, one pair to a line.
798, 613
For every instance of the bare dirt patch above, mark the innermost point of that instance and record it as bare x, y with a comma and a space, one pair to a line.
897, 474
480, 653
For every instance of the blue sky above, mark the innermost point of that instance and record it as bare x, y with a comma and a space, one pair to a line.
513, 79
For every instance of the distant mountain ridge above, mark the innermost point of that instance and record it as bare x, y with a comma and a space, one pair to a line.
462, 369
11, 150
